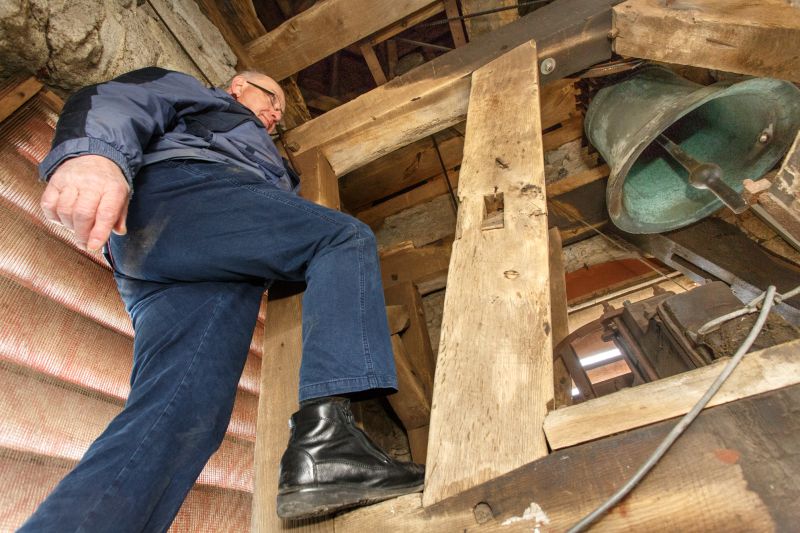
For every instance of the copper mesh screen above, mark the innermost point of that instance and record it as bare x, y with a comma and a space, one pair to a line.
65, 354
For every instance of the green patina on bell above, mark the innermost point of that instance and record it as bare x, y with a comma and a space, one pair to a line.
743, 127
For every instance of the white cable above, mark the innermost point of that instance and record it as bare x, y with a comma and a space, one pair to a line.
684, 422
751, 307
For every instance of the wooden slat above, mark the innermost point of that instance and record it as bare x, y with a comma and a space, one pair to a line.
412, 405
373, 64
456, 28
22, 91
733, 470
495, 364
187, 35
559, 320
756, 38
323, 29
434, 95
575, 181
414, 264
401, 25
490, 22
415, 369
280, 374
759, 372
435, 187
397, 315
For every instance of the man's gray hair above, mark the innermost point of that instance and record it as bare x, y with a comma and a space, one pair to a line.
247, 74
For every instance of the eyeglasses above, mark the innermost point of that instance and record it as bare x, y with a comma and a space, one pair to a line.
273, 98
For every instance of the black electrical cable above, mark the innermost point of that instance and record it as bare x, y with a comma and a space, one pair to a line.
482, 13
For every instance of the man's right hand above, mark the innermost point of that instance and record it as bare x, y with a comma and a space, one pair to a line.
88, 195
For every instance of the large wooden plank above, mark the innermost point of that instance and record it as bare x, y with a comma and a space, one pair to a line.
495, 363
280, 373
734, 470
757, 38
759, 372
434, 95
323, 29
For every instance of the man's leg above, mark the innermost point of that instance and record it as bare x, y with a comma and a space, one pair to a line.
191, 343
197, 221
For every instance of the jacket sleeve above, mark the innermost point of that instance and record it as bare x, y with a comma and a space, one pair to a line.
117, 119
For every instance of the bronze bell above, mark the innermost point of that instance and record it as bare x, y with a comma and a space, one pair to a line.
677, 150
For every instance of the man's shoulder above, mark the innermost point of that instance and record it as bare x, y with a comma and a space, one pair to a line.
154, 74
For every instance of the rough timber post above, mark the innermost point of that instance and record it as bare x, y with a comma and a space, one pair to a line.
494, 373
280, 372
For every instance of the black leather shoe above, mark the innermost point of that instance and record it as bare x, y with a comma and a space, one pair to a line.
330, 464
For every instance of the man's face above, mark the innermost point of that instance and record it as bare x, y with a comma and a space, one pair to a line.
261, 95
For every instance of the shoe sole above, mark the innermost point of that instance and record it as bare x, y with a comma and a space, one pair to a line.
318, 501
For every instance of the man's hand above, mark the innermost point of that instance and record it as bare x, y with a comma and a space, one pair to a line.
89, 195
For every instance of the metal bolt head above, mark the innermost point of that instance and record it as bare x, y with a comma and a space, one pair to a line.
548, 66
765, 137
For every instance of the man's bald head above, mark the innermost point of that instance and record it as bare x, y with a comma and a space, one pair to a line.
260, 94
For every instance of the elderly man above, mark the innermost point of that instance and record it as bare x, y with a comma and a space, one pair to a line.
213, 217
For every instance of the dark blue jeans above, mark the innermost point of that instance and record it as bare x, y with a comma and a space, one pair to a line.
203, 240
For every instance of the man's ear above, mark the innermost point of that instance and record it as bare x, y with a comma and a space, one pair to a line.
237, 84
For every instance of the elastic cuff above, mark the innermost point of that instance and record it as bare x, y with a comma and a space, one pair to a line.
84, 146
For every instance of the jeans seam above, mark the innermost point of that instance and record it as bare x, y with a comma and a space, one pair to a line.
277, 198
363, 307
169, 405
366, 379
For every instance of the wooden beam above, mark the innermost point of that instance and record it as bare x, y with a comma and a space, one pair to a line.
435, 187
456, 27
323, 29
575, 181
759, 372
756, 38
419, 161
414, 264
280, 372
781, 203
489, 22
434, 95
734, 470
373, 64
16, 93
562, 383
415, 337
403, 24
187, 36
495, 361
238, 22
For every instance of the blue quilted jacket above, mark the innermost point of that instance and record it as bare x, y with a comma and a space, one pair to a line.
151, 115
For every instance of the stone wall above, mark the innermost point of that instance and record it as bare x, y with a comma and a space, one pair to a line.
71, 43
